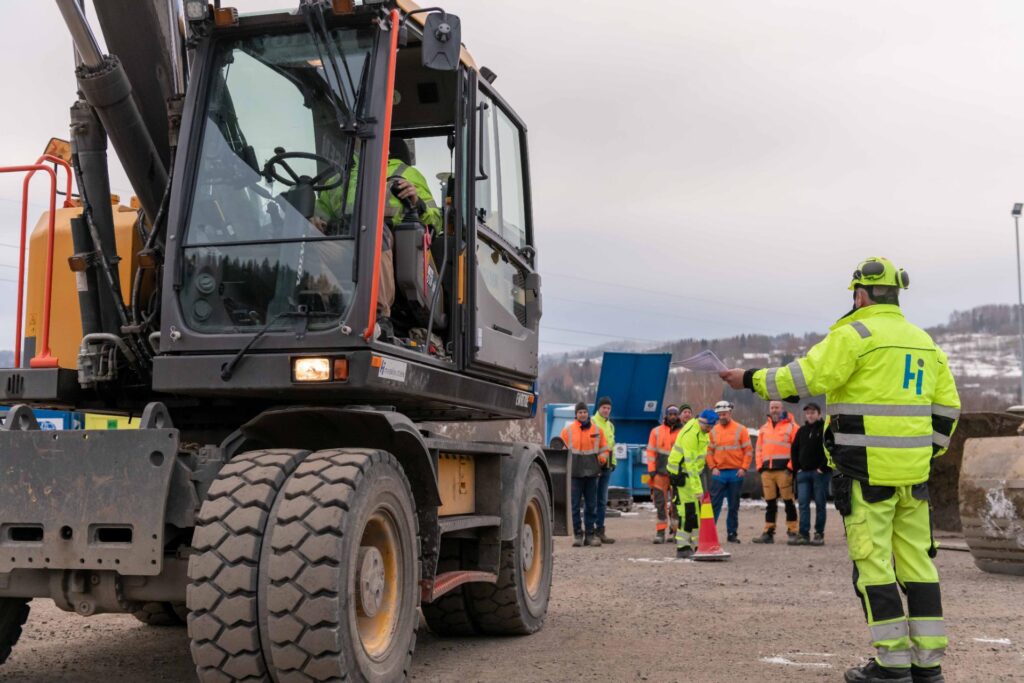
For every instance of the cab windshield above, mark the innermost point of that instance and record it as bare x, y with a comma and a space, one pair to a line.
274, 143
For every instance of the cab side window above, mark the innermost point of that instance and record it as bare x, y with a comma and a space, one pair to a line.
501, 204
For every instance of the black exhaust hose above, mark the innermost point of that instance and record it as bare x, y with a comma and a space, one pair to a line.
109, 92
89, 147
88, 292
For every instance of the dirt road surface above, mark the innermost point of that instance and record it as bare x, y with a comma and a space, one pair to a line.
621, 613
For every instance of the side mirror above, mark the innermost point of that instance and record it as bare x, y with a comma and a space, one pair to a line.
442, 41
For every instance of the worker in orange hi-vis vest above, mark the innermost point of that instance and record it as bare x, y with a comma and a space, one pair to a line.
659, 447
589, 449
775, 463
729, 456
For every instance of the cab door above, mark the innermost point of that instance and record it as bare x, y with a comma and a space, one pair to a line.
505, 303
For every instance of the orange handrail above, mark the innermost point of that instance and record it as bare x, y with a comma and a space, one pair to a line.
43, 357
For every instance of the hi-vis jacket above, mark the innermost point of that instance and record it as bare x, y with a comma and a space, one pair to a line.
608, 427
892, 401
775, 444
689, 452
589, 448
729, 447
328, 204
659, 447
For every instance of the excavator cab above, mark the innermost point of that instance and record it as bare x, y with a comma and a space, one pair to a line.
283, 210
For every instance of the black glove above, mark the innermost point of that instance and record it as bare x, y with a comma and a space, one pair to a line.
678, 479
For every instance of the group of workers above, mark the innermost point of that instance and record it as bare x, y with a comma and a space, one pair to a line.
892, 408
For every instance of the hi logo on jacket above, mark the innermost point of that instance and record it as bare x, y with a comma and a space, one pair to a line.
912, 376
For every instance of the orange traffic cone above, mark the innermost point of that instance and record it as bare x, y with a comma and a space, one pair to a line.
708, 548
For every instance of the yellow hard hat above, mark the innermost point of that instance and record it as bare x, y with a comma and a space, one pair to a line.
879, 271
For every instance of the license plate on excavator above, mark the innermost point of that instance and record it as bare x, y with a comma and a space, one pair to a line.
85, 499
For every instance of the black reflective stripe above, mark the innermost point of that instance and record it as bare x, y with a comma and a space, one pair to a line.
861, 328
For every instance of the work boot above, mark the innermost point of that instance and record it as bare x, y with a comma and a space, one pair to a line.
733, 538
659, 537
800, 539
930, 674
873, 671
577, 541
604, 537
819, 539
791, 534
593, 540
766, 537
684, 552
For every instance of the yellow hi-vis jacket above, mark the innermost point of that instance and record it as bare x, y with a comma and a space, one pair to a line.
689, 452
892, 403
609, 433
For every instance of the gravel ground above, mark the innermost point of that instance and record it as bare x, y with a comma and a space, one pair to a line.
620, 613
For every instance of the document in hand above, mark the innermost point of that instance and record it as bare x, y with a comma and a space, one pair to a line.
705, 361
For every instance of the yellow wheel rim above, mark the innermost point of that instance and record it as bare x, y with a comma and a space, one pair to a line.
377, 589
533, 548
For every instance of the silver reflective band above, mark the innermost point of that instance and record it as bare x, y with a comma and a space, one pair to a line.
928, 657
861, 328
771, 386
940, 439
927, 627
883, 441
879, 410
891, 631
430, 204
894, 658
945, 411
798, 379
400, 170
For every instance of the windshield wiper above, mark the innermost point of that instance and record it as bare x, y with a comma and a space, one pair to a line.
322, 41
301, 312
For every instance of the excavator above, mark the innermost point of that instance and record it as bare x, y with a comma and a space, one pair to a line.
290, 493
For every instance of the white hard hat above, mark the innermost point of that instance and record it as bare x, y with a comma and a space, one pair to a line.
723, 407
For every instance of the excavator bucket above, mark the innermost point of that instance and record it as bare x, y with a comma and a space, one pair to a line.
944, 483
992, 503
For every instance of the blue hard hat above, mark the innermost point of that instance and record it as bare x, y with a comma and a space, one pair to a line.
709, 416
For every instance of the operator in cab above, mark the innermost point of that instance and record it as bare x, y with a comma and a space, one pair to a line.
409, 196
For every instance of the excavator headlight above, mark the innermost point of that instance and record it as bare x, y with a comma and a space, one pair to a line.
196, 10
311, 370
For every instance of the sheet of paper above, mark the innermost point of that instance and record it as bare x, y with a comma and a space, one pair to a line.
705, 361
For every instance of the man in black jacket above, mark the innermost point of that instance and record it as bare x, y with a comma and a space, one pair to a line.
813, 476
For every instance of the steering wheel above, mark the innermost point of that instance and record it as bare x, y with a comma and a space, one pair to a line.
316, 183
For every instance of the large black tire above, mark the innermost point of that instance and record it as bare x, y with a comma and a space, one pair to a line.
338, 510
162, 614
449, 615
518, 603
13, 613
223, 623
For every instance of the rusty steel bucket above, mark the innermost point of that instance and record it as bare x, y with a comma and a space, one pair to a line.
992, 502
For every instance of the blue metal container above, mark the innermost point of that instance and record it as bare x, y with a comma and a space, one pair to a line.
635, 382
52, 419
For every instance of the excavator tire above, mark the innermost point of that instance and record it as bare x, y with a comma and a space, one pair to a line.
161, 614
449, 615
518, 602
13, 613
343, 570
224, 570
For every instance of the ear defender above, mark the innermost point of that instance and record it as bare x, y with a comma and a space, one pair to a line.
903, 278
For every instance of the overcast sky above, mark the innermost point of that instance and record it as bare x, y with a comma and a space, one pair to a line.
705, 168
